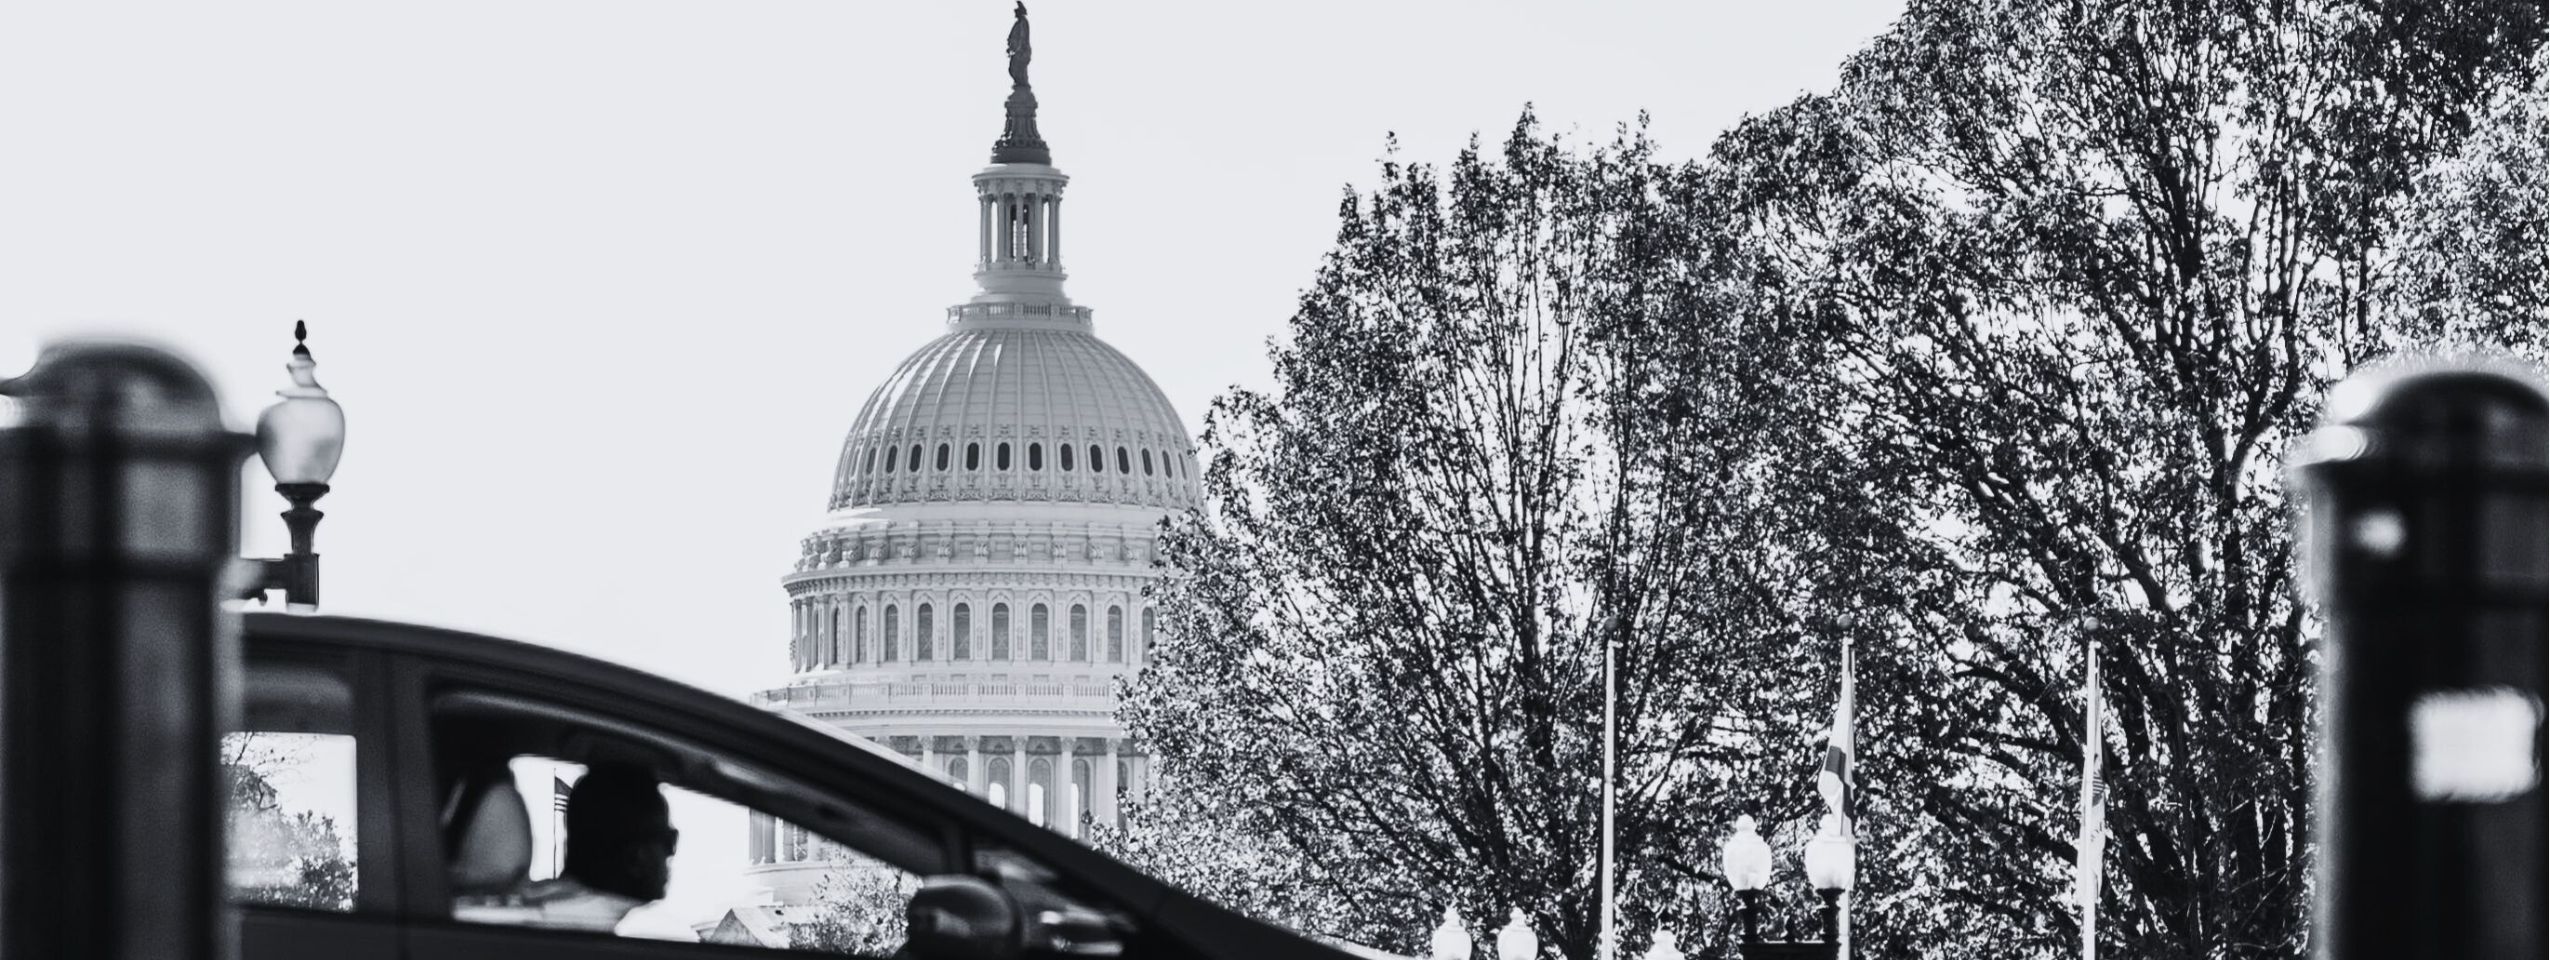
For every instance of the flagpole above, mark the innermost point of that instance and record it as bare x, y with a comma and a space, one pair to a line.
2089, 851
1850, 824
1603, 948
1834, 781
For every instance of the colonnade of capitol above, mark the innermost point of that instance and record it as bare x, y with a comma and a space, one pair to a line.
973, 593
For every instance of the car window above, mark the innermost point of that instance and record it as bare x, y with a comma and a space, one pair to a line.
289, 778
522, 813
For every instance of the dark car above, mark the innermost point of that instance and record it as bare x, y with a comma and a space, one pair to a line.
424, 736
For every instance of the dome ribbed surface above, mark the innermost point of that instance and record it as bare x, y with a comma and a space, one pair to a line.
939, 427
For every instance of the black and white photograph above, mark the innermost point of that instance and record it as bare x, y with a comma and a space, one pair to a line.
1493, 480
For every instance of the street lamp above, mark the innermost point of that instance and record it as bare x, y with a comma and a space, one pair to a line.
1451, 940
1747, 862
299, 439
1746, 859
1830, 861
1517, 941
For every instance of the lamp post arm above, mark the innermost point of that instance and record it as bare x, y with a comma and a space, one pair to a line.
295, 573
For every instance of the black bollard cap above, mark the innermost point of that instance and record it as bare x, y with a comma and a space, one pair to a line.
136, 387
2424, 416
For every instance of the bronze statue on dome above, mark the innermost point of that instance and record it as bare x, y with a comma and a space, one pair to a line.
1018, 50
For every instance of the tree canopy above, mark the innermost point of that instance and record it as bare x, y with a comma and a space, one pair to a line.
1986, 360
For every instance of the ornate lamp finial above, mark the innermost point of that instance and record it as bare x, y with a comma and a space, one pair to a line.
301, 339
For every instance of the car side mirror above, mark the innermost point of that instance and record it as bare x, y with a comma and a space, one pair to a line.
963, 918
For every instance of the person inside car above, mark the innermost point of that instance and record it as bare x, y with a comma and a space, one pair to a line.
620, 841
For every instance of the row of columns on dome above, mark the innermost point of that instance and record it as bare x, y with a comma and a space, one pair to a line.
1069, 783
1021, 225
834, 634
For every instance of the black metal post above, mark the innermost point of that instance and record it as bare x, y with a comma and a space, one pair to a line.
301, 566
1828, 915
1748, 915
295, 573
1751, 946
118, 517
2429, 538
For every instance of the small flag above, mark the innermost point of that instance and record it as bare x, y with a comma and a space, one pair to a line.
1841, 795
2090, 849
558, 791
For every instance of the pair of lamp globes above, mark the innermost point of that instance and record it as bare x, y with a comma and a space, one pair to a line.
299, 439
1831, 866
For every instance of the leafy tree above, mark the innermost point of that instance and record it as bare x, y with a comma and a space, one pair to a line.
2474, 242
1483, 458
279, 856
2080, 273
858, 909
1218, 852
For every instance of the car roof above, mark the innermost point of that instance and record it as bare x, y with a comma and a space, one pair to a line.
391, 636
1164, 902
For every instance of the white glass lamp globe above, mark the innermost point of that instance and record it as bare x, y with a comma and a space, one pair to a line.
1663, 948
1830, 857
1746, 857
301, 437
1517, 941
1451, 939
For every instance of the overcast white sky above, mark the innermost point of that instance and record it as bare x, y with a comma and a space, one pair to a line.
601, 283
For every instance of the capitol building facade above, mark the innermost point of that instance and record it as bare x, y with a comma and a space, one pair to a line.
975, 589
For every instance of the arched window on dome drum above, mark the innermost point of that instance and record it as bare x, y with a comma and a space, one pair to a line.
1097, 459
1146, 463
893, 631
859, 636
1115, 634
1149, 623
914, 465
996, 786
1022, 234
1065, 448
973, 456
1000, 456
942, 458
1124, 462
956, 772
1039, 634
871, 466
960, 642
923, 632
1000, 631
1036, 456
832, 636
889, 459
1079, 633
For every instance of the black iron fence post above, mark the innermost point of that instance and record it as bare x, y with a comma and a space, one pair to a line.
2428, 539
118, 517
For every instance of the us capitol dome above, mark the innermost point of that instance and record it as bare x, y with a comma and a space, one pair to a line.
975, 588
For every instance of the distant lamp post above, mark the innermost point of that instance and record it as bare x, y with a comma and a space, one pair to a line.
1517, 941
1451, 940
1746, 859
299, 439
1831, 864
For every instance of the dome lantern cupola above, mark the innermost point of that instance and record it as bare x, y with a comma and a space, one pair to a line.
1018, 271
